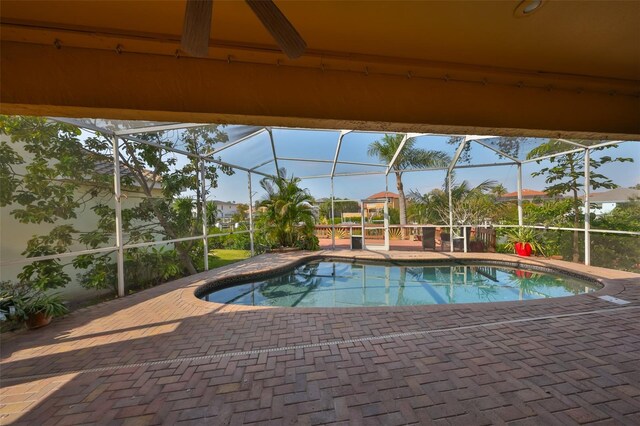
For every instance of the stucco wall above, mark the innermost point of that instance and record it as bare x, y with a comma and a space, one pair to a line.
14, 234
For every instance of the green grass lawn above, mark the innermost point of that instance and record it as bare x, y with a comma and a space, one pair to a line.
222, 257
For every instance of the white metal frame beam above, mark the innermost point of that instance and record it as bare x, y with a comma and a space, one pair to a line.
159, 146
587, 206
544, 157
454, 160
203, 206
82, 125
118, 213
337, 153
601, 145
237, 141
497, 151
457, 155
315, 160
273, 150
519, 192
159, 128
251, 230
264, 163
397, 154
576, 144
428, 169
189, 154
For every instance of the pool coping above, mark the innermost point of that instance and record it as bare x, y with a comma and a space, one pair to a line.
609, 286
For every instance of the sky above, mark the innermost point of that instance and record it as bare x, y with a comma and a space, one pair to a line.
321, 145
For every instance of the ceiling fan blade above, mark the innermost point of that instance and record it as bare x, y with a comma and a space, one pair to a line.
279, 27
196, 29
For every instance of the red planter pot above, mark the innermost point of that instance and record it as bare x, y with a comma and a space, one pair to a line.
523, 249
523, 274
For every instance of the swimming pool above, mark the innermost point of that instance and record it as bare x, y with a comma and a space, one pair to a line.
328, 283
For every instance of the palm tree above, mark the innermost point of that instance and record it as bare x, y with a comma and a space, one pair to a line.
409, 157
470, 204
288, 212
499, 190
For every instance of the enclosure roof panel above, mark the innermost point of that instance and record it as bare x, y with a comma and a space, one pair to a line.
334, 153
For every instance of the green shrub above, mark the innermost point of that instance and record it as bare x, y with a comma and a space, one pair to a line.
143, 267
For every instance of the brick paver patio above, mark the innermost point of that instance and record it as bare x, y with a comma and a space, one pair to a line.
163, 356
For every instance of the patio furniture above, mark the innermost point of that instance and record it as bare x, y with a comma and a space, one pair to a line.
356, 242
458, 242
428, 238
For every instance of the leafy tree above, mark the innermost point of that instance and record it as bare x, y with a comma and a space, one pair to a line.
556, 212
49, 188
341, 205
70, 172
471, 205
394, 216
624, 217
617, 251
288, 216
212, 213
499, 190
241, 214
553, 212
508, 145
565, 175
150, 169
409, 157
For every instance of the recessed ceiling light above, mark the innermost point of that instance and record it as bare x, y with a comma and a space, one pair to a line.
527, 8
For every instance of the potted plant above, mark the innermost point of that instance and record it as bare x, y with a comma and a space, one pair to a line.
40, 308
11, 297
524, 241
33, 306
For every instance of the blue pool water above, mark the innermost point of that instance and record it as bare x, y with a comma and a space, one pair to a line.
346, 284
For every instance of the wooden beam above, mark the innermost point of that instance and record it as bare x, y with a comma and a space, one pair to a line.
76, 82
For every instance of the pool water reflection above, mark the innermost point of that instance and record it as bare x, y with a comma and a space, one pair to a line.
346, 284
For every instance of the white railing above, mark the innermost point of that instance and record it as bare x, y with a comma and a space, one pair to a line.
462, 229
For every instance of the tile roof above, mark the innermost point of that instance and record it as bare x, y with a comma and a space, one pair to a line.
383, 194
616, 195
525, 193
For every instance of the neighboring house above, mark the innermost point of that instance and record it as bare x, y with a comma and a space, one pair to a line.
225, 210
527, 194
375, 203
604, 202
315, 207
14, 234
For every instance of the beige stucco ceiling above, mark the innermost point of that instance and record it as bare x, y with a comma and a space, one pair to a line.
588, 48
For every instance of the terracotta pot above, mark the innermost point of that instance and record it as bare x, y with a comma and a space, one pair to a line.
523, 249
523, 274
37, 320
